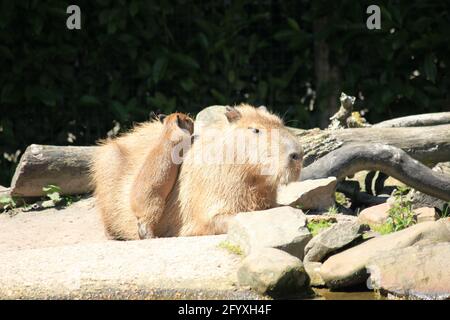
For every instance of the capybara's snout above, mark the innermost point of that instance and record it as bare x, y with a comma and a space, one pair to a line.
293, 153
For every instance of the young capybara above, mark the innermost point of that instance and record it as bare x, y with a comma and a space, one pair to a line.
231, 167
152, 176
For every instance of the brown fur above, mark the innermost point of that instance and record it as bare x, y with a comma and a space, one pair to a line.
205, 196
154, 175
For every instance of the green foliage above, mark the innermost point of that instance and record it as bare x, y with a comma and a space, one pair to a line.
315, 227
132, 57
333, 210
401, 214
232, 248
53, 193
446, 211
385, 228
341, 199
8, 203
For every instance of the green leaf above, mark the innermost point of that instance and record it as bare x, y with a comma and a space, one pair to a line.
88, 100
187, 84
186, 60
430, 68
159, 68
293, 24
220, 97
119, 110
54, 196
134, 8
144, 68
6, 200
284, 35
203, 40
231, 76
6, 53
51, 188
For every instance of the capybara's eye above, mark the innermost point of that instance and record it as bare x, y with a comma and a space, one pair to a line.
254, 130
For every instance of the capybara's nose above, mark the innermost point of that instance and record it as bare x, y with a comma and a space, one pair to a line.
296, 156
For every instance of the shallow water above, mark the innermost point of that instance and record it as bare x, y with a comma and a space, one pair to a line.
326, 294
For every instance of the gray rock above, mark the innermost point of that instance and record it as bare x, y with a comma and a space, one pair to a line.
416, 272
313, 271
419, 199
281, 228
273, 272
331, 240
424, 214
375, 215
308, 194
348, 267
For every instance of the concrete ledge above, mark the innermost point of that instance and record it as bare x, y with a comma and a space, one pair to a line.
165, 268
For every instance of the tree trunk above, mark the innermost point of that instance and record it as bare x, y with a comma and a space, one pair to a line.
39, 166
420, 120
68, 167
428, 145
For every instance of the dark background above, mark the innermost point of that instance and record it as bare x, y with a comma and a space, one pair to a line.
65, 87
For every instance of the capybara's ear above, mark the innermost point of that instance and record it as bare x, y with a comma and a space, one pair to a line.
161, 117
232, 114
185, 123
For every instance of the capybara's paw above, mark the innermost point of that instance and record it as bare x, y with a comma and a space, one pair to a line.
144, 231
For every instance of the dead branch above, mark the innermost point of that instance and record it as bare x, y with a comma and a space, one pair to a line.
391, 160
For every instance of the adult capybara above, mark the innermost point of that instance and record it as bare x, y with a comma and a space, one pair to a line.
231, 167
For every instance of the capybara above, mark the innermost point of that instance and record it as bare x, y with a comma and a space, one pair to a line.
233, 167
153, 176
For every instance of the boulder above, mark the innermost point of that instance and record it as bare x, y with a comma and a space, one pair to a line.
348, 267
420, 199
313, 271
273, 272
416, 272
331, 240
308, 194
425, 214
375, 215
281, 228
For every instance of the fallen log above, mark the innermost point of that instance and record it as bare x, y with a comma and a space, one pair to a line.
68, 167
428, 145
40, 165
393, 161
420, 120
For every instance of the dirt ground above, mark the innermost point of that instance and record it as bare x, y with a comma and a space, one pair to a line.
78, 223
